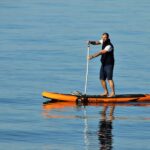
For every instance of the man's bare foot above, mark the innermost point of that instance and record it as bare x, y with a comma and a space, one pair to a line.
104, 94
112, 94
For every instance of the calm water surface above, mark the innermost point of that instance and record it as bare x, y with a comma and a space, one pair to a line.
42, 45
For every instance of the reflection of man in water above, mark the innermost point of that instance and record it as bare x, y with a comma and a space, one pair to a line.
105, 129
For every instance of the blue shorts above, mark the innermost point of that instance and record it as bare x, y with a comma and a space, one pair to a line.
106, 72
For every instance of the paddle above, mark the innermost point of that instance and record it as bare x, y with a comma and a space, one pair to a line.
85, 92
87, 68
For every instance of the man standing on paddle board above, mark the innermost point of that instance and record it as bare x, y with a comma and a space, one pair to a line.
107, 61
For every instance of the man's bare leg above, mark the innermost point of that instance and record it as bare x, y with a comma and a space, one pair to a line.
112, 86
104, 85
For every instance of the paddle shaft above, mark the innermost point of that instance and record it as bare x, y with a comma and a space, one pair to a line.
87, 68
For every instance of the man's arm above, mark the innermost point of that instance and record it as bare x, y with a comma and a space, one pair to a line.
97, 54
107, 49
94, 42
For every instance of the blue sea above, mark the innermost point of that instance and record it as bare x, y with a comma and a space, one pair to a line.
43, 48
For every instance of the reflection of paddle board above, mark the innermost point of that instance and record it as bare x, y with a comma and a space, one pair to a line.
50, 105
96, 98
